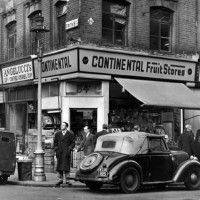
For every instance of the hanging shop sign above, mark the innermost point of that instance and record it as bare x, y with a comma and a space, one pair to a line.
58, 63
116, 63
17, 73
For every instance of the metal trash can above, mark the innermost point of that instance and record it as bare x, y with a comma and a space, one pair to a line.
24, 170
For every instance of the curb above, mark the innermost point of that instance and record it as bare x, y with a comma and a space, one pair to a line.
44, 184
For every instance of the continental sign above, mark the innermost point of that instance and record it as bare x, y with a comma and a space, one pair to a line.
17, 73
58, 64
116, 63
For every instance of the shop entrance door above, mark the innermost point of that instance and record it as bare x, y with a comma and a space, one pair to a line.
80, 117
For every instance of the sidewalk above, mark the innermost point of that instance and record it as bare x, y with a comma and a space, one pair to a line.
51, 179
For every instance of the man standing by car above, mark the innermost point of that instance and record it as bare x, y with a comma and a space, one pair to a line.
100, 133
87, 144
64, 143
185, 140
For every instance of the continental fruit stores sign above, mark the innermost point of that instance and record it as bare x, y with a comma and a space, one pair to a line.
17, 73
116, 63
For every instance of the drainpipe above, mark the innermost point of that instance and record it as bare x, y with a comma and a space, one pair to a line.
197, 25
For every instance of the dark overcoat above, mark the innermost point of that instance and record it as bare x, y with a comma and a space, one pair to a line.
185, 142
63, 146
87, 144
98, 134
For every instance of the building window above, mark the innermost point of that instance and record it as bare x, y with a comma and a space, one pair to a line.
11, 33
61, 19
160, 29
114, 22
50, 90
36, 38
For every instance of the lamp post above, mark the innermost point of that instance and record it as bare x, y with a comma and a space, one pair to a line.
39, 174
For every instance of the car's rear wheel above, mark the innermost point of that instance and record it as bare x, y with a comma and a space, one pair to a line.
94, 186
130, 180
192, 178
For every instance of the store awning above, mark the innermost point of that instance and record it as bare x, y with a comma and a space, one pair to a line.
163, 94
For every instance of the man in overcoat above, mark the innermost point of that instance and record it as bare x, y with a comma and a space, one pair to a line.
87, 144
186, 139
104, 131
64, 142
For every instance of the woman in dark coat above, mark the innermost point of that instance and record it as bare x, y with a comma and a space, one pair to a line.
64, 143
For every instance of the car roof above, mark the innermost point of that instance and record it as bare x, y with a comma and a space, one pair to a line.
132, 134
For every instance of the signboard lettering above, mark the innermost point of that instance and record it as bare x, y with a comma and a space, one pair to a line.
58, 63
17, 73
136, 65
71, 24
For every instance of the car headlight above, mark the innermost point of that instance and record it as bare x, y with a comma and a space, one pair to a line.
90, 162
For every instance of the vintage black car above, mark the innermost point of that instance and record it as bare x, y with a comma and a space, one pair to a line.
134, 159
7, 155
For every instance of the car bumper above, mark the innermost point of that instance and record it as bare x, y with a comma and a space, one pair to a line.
93, 176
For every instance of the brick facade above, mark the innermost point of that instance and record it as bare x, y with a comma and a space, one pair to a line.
185, 39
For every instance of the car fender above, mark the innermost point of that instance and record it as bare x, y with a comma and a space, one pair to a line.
183, 167
120, 165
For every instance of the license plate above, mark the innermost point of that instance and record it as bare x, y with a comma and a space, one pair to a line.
103, 173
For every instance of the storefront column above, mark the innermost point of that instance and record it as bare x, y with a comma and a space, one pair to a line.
182, 120
105, 93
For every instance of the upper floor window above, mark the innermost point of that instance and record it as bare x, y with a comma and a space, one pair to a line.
61, 19
114, 22
11, 34
36, 38
160, 29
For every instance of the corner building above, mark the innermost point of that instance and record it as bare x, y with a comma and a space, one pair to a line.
121, 62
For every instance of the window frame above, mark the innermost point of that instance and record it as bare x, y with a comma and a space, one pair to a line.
160, 23
164, 146
11, 35
115, 16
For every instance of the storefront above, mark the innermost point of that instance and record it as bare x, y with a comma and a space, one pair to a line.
118, 87
20, 101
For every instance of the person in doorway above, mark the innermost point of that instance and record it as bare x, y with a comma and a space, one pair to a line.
64, 142
186, 140
196, 145
104, 131
87, 144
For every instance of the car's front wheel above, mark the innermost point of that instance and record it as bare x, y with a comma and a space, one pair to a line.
94, 186
192, 178
130, 180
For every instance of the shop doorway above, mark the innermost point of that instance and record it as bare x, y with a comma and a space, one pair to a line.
80, 117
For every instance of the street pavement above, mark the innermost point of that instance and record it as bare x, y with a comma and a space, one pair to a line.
51, 179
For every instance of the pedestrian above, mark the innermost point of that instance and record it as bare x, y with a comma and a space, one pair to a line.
87, 144
64, 142
196, 145
186, 140
104, 131
136, 128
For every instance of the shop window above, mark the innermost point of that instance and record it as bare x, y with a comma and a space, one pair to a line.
160, 29
11, 34
50, 90
114, 22
61, 20
35, 38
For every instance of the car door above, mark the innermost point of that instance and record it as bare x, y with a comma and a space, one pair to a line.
161, 165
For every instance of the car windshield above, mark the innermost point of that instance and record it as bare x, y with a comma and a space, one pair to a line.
121, 143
